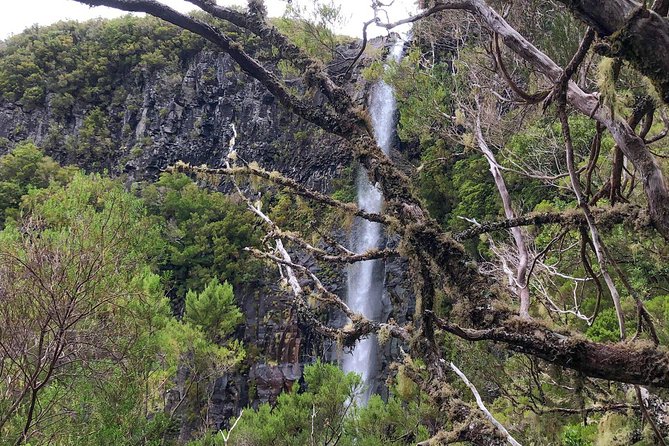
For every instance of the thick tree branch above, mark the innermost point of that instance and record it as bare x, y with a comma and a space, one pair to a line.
313, 69
624, 362
604, 217
661, 7
633, 33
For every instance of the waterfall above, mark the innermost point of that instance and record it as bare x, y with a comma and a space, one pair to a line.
366, 279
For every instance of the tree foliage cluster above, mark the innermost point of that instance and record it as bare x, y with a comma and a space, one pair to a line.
91, 347
88, 61
207, 233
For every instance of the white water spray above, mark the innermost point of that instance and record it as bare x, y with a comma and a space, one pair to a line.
366, 279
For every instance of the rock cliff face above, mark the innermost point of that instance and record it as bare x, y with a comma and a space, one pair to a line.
187, 114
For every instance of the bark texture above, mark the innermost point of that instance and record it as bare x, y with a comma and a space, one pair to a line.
631, 32
633, 364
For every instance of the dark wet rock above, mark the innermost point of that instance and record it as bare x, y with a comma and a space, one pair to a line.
271, 380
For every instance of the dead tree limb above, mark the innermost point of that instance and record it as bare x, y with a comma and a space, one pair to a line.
518, 237
602, 258
627, 214
486, 412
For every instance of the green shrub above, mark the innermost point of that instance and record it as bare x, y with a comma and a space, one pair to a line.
213, 310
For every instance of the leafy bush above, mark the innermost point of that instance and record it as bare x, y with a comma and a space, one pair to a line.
213, 310
290, 421
206, 233
579, 435
24, 168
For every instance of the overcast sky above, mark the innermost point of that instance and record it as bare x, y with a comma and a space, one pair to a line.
20, 14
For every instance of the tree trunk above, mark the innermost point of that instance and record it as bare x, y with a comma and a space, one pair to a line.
633, 33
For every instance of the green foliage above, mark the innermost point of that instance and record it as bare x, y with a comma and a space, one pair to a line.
187, 347
579, 435
23, 168
311, 26
289, 421
87, 60
124, 343
475, 192
213, 310
93, 145
605, 328
435, 185
104, 202
206, 233
81, 249
423, 95
109, 412
345, 194
395, 422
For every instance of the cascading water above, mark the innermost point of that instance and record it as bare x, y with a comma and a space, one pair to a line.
366, 279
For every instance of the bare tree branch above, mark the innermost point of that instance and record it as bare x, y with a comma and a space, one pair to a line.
482, 407
627, 214
281, 180
523, 255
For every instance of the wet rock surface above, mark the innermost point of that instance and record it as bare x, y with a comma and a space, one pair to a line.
188, 116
